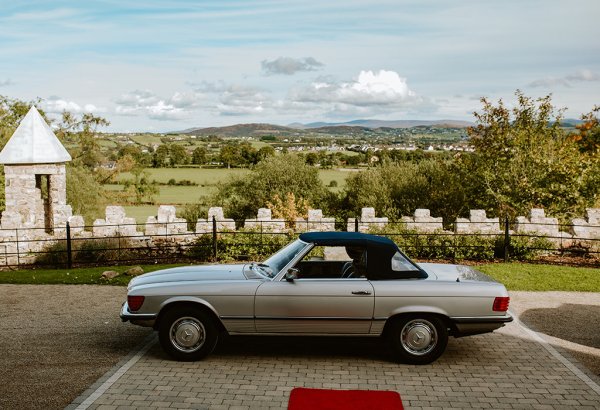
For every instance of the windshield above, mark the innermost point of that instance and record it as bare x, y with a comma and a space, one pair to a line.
277, 261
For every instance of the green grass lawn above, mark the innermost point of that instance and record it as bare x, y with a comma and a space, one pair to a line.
78, 276
533, 277
515, 276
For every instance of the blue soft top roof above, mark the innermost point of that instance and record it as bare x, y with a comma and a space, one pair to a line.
346, 238
380, 252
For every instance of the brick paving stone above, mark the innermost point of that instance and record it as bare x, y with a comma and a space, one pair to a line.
502, 370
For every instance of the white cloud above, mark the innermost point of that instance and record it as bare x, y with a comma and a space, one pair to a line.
163, 111
234, 99
146, 102
240, 100
56, 105
370, 88
567, 80
137, 98
6, 82
289, 65
583, 75
371, 93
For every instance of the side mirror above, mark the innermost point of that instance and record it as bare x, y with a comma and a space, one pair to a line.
291, 274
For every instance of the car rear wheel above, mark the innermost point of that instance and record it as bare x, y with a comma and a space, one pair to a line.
187, 334
419, 339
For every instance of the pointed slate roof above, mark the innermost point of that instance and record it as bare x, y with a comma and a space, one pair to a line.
33, 143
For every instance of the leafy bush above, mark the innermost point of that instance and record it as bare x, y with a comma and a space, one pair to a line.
476, 247
86, 251
524, 247
239, 245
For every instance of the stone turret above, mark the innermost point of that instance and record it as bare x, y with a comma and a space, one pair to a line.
34, 167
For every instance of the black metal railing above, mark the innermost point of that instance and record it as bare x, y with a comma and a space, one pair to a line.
168, 243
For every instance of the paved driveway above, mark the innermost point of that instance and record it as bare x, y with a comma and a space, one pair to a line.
512, 368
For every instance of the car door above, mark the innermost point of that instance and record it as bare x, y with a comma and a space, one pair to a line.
315, 306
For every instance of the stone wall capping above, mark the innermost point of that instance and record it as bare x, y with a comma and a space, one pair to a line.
167, 227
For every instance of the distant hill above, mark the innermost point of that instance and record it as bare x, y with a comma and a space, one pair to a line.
350, 127
241, 130
386, 124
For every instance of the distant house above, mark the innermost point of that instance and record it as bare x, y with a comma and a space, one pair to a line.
109, 165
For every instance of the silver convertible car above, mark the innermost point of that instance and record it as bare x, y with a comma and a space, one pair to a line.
322, 284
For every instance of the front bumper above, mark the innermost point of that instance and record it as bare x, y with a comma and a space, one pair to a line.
140, 319
467, 326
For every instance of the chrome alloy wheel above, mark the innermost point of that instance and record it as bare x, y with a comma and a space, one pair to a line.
418, 337
187, 334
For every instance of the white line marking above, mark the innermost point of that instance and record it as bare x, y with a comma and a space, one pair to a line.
540, 339
112, 379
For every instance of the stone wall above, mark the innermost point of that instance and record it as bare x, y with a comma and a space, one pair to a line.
22, 234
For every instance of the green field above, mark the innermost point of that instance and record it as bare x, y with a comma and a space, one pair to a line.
201, 176
207, 179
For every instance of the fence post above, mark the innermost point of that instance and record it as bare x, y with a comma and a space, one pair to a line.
356, 224
17, 238
506, 240
69, 257
214, 237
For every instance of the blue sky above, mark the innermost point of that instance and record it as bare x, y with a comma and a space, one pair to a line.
169, 65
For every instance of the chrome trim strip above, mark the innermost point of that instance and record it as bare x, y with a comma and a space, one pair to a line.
309, 318
306, 334
127, 315
483, 319
237, 317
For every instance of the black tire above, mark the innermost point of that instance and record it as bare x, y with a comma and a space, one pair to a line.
419, 338
187, 334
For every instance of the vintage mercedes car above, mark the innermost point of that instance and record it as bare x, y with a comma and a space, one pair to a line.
325, 284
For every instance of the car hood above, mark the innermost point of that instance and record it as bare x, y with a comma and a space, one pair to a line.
454, 273
191, 273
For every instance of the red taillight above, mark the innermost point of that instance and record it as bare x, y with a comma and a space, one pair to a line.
501, 304
135, 302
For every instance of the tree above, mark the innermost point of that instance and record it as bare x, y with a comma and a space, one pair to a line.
85, 193
288, 208
588, 135
160, 157
524, 159
82, 131
230, 155
199, 156
312, 158
397, 189
140, 187
265, 152
278, 175
178, 155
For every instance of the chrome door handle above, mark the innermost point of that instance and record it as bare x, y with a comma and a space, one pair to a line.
361, 292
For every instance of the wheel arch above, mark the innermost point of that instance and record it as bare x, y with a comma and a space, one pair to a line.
181, 302
401, 314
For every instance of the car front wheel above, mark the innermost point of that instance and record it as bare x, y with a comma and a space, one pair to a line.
419, 339
187, 334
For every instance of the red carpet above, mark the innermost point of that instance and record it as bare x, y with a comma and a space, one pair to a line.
319, 399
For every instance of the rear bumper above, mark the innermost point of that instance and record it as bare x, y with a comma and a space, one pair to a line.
140, 319
467, 326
